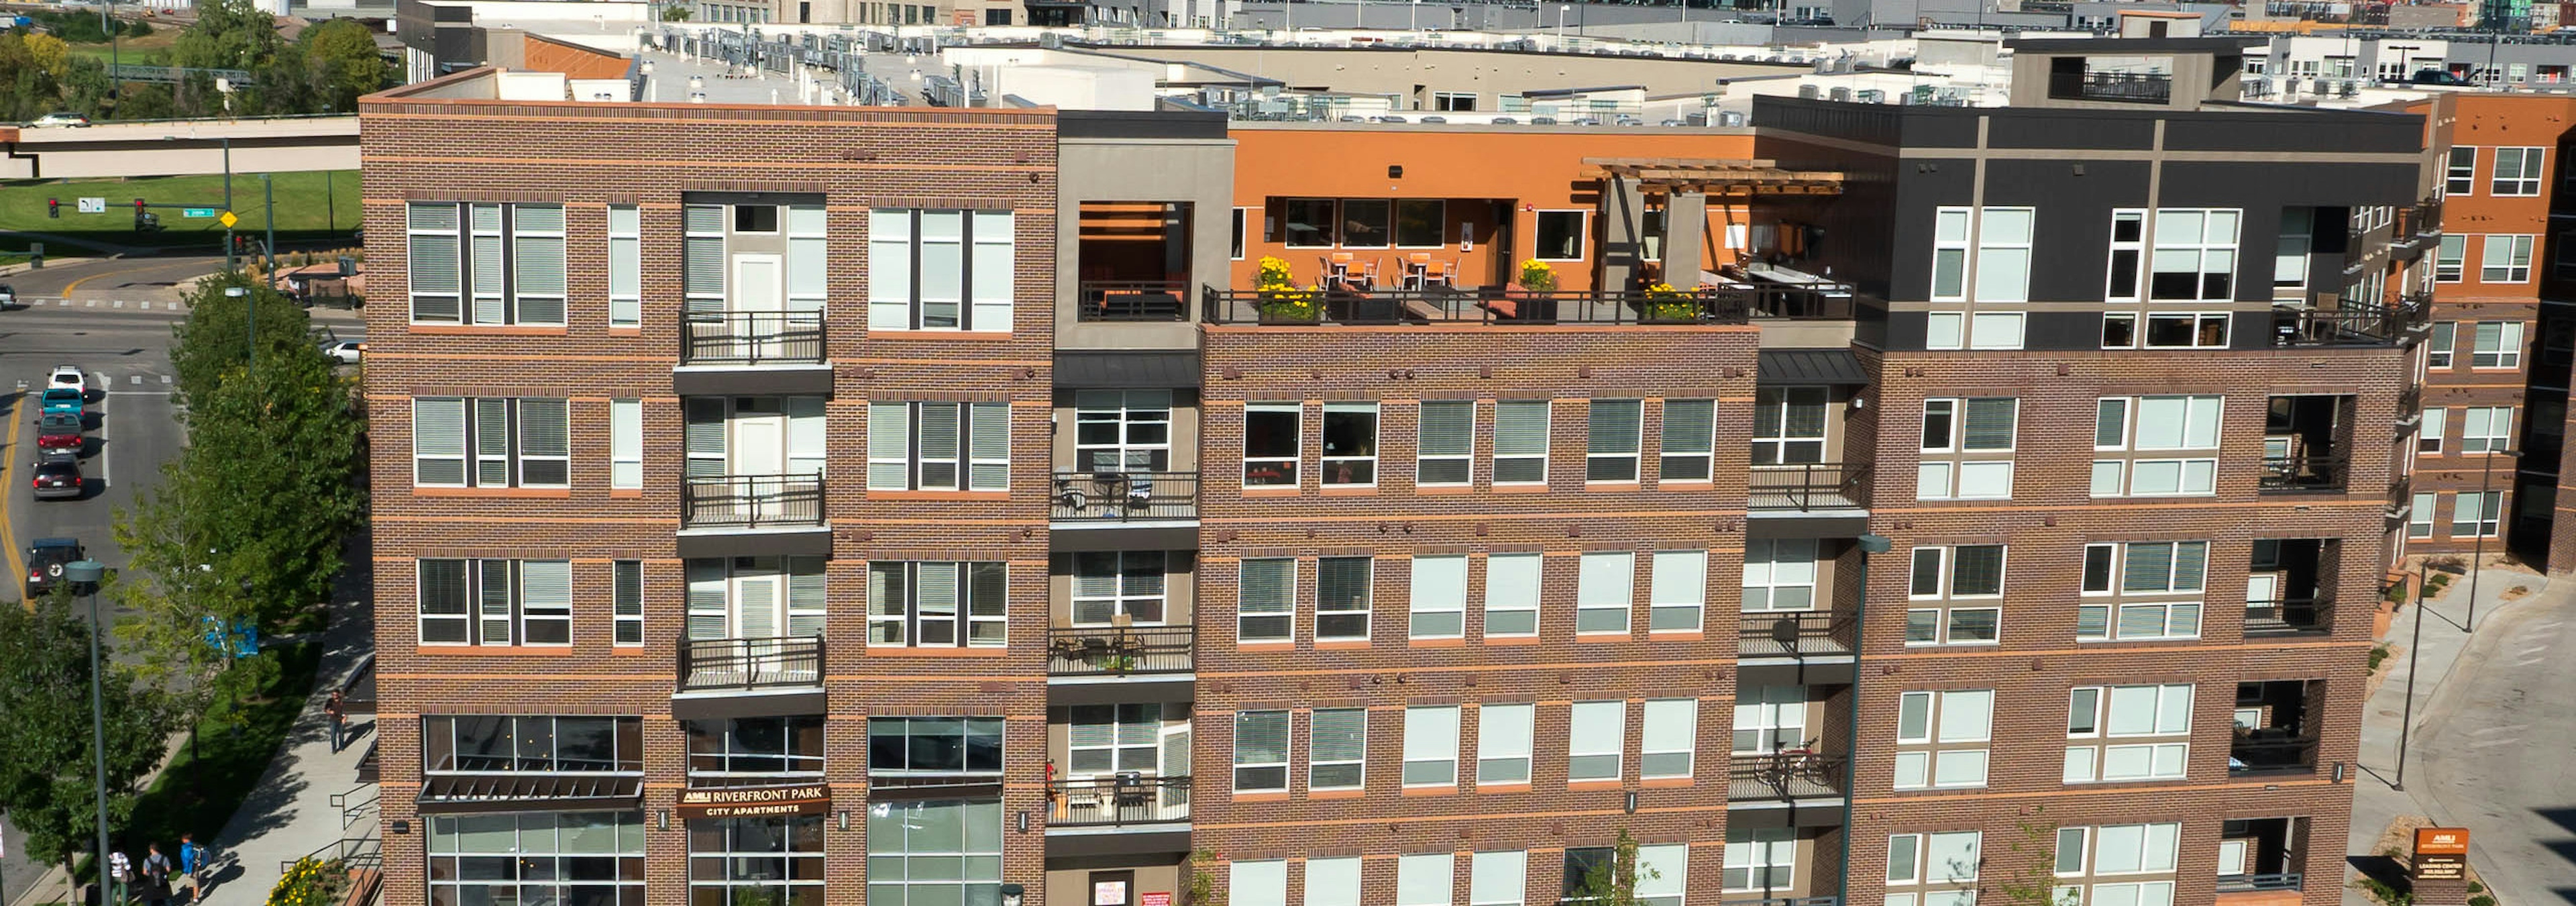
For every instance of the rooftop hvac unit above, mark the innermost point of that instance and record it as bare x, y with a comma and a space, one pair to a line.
1841, 94
1872, 96
1809, 92
1730, 118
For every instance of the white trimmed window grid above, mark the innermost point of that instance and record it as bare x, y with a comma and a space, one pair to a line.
1760, 859
755, 597
2150, 570
1343, 592
1104, 740
2517, 172
2194, 258
1122, 430
2477, 514
2166, 330
1769, 719
1614, 430
1934, 869
1445, 450
1266, 601
2128, 733
1605, 592
1349, 444
625, 266
1677, 591
2132, 853
2430, 431
2451, 258
1942, 738
940, 270
2445, 341
1521, 441
1967, 448
626, 444
1439, 604
939, 446
1260, 751
2486, 429
938, 604
1111, 584
1337, 749
742, 436
2505, 258
2179, 434
626, 587
1597, 735
495, 602
1671, 730
2419, 514
1958, 593
1512, 583
2496, 344
1779, 575
1431, 746
1689, 440
1272, 433
1789, 425
1503, 743
486, 264
2460, 171
492, 442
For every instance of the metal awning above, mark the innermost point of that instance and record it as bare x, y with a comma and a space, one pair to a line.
520, 792
1664, 175
1785, 367
1126, 370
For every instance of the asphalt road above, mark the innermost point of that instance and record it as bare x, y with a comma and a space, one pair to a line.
2495, 754
113, 278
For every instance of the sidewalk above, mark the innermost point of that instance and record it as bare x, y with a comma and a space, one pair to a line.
289, 814
2433, 657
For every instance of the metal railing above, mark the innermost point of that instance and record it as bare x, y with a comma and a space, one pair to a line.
1808, 486
2266, 756
1119, 651
712, 664
353, 853
751, 338
1793, 633
2288, 880
1497, 305
2123, 87
2289, 616
751, 501
2347, 324
1125, 496
357, 804
1783, 776
1134, 300
2305, 473
1118, 801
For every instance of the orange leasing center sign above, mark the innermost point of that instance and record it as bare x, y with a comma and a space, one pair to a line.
2441, 853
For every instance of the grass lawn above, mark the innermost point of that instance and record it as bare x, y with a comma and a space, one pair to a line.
309, 210
208, 778
152, 49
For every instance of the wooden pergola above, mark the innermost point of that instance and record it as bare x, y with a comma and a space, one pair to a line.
1714, 178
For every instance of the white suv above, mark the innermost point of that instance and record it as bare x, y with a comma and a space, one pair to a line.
68, 376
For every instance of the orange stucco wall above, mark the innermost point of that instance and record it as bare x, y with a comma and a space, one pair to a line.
1529, 171
572, 60
2487, 122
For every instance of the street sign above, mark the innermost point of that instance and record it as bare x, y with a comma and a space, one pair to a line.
199, 213
228, 220
93, 206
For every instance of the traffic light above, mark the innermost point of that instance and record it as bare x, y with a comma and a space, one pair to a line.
54, 208
138, 206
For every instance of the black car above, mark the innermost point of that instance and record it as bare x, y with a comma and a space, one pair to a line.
58, 477
45, 561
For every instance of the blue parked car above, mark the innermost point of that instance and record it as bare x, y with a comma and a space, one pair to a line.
66, 400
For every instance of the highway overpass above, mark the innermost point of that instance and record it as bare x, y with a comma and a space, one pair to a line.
180, 147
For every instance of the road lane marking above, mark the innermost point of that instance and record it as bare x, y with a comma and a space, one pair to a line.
9, 480
2494, 743
2507, 728
120, 303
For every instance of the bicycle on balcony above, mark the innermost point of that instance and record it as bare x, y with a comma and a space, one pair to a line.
1801, 763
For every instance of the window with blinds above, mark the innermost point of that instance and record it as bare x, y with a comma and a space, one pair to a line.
1342, 598
1264, 883
940, 270
1446, 451
2179, 432
1498, 878
1337, 749
1689, 439
1503, 743
508, 442
1431, 746
937, 604
1265, 601
1671, 729
1788, 425
2097, 715
436, 281
1110, 739
1511, 594
495, 602
626, 443
1425, 879
1597, 732
1605, 591
1109, 583
1967, 446
755, 597
1260, 751
625, 266
486, 264
1520, 441
1678, 591
702, 254
939, 446
1439, 606
1613, 430
2142, 569
626, 588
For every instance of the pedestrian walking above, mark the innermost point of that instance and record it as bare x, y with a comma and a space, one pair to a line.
338, 711
120, 875
192, 862
156, 876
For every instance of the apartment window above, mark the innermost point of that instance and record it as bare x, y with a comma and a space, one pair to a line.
1560, 235
1760, 859
1111, 584
2097, 715
1265, 603
754, 597
1365, 223
1605, 591
1263, 883
1431, 746
2195, 255
1418, 221
625, 266
1308, 222
1678, 591
1503, 744
1950, 254
2474, 514
2128, 254
1945, 330
1597, 733
939, 446
626, 444
536, 744
1689, 439
1511, 594
1270, 441
2450, 259
1445, 453
547, 857
1944, 865
2142, 568
2505, 259
2445, 341
1261, 751
1425, 879
2003, 259
2297, 238
522, 442
2486, 429
1520, 441
1337, 749
1350, 443
935, 746
2419, 515
2428, 434
1788, 425
1671, 730
1439, 607
626, 588
1995, 330
930, 604
1241, 217
1107, 739
2517, 172
467, 267
1122, 430
2118, 849
2495, 344
1770, 718
1342, 594
1331, 882
1969, 573
1661, 874
1941, 738
2156, 425
495, 602
1779, 574
2461, 175
1615, 430
1968, 445
1499, 878
939, 270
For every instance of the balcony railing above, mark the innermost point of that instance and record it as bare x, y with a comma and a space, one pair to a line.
717, 664
2349, 323
2123, 87
1134, 300
1783, 776
2305, 473
2290, 880
1119, 801
2289, 616
2271, 756
751, 501
1794, 633
1125, 496
1119, 651
1504, 306
751, 338
1808, 486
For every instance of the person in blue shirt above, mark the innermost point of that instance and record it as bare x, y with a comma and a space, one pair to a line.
192, 862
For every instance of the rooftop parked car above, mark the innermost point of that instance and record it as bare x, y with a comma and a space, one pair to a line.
59, 433
57, 477
61, 118
46, 558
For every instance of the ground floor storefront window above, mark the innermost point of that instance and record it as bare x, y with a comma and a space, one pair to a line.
761, 861
935, 853
537, 859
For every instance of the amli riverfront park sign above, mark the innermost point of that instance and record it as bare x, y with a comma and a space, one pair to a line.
748, 801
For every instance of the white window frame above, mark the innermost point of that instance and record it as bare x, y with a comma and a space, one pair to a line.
1287, 731
1324, 469
2443, 345
1775, 715
1909, 857
1296, 437
1945, 624
1444, 451
2419, 514
1438, 595
1257, 883
2495, 345
626, 602
1503, 743
1596, 730
1753, 855
1945, 330
898, 243
419, 230
1952, 229
2524, 180
1282, 611
1486, 878
1418, 874
1997, 248
1766, 573
2136, 252
1689, 437
1598, 593
1677, 593
1520, 457
2194, 476
626, 444
980, 462
1996, 329
2481, 523
2486, 429
2451, 258
1582, 233
1426, 750
1920, 768
1512, 589
625, 266
962, 614
534, 607
2166, 745
1314, 744
2460, 171
1949, 567
1943, 472
1633, 455
1671, 730
2513, 265
2213, 251
1365, 612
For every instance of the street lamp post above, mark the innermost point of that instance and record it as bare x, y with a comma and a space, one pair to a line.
2406, 720
268, 215
88, 573
2478, 558
1869, 544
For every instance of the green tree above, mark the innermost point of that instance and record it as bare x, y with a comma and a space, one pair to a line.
216, 339
1613, 882
46, 756
179, 584
275, 451
677, 12
138, 29
50, 54
228, 34
341, 59
2031, 861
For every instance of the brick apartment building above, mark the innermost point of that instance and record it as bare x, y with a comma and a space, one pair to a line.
895, 505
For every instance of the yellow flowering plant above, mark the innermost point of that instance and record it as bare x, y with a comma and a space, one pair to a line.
1537, 276
1280, 299
310, 882
1665, 303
